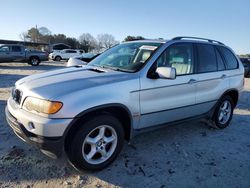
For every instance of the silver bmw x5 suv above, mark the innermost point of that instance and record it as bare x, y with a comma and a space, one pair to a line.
86, 112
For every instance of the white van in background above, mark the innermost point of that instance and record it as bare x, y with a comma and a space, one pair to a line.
64, 54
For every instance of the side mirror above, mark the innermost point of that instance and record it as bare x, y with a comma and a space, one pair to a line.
74, 62
166, 72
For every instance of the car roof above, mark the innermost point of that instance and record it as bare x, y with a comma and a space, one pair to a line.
11, 45
146, 41
181, 38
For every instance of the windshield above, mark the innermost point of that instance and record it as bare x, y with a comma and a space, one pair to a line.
128, 57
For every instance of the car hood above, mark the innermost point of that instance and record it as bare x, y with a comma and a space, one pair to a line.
53, 84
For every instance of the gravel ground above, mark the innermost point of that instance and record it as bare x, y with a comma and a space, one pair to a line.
185, 155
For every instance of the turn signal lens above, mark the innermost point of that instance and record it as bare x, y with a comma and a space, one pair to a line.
54, 107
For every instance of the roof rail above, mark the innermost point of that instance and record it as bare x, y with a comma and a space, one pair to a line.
198, 38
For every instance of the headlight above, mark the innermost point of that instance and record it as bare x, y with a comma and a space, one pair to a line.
42, 106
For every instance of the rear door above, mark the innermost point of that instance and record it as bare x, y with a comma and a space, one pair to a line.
70, 53
213, 78
234, 71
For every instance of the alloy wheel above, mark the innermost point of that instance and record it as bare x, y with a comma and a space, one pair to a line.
99, 144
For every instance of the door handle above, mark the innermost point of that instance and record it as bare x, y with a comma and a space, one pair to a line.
223, 76
192, 81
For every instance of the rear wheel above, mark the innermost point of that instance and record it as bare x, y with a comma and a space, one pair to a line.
96, 143
34, 61
58, 58
223, 112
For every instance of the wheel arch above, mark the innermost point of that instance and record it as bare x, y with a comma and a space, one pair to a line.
234, 93
120, 111
32, 56
57, 56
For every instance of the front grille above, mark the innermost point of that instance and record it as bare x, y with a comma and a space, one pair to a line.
16, 95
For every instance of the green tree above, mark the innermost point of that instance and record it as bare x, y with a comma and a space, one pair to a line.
33, 35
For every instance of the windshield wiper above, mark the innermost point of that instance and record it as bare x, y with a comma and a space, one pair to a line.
115, 68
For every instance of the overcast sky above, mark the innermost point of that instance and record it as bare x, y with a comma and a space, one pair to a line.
224, 20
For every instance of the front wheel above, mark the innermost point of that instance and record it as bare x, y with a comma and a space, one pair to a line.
96, 143
58, 58
223, 112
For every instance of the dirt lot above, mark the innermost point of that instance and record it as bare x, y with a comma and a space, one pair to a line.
185, 155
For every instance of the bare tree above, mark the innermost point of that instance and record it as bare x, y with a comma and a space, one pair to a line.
87, 42
106, 41
23, 36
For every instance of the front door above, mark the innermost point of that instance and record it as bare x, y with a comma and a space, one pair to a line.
164, 100
5, 54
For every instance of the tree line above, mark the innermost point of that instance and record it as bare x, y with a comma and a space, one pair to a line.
85, 41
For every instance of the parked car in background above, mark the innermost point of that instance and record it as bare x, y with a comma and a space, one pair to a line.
18, 53
64, 54
246, 63
82, 59
87, 112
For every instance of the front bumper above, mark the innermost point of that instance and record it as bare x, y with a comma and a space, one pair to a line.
51, 146
46, 134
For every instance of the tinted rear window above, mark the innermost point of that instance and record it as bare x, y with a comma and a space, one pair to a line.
231, 60
206, 58
16, 48
221, 65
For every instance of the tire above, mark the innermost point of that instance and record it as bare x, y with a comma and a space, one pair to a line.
91, 150
223, 112
34, 61
58, 58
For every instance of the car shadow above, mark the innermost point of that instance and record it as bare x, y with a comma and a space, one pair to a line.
244, 101
173, 150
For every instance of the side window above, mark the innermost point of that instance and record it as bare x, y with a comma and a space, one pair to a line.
221, 65
231, 60
206, 58
16, 49
71, 51
4, 49
179, 56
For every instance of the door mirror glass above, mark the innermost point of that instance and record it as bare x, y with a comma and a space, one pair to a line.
74, 62
166, 72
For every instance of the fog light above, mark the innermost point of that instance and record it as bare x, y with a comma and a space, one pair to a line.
31, 125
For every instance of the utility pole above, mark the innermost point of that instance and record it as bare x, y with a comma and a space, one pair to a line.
36, 34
